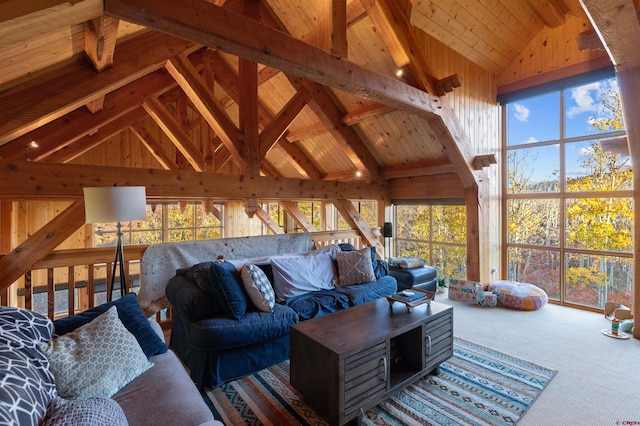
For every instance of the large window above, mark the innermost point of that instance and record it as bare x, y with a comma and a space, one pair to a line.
437, 234
567, 203
166, 222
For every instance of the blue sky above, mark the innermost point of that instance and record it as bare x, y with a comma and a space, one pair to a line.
537, 119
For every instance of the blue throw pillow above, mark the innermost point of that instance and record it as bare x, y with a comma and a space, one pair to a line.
227, 288
130, 315
380, 266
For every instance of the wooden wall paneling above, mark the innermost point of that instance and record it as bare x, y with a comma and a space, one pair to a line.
550, 49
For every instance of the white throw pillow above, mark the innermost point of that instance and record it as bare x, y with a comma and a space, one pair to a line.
258, 287
97, 359
293, 276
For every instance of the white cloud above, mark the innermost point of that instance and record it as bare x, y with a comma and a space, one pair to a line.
584, 99
521, 112
531, 139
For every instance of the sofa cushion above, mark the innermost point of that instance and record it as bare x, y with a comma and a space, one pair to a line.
355, 267
96, 359
317, 303
27, 383
226, 285
131, 316
221, 333
380, 266
95, 411
362, 293
296, 275
258, 287
164, 395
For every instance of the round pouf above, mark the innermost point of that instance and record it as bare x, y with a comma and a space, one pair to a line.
521, 296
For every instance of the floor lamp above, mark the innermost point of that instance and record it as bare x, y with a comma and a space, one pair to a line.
115, 204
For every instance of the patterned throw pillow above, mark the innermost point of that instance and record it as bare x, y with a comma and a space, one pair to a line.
27, 384
96, 359
258, 287
355, 267
96, 411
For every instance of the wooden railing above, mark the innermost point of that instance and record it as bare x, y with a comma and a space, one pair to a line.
83, 273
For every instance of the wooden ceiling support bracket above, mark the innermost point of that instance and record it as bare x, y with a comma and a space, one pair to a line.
447, 84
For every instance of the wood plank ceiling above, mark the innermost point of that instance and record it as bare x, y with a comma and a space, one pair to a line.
312, 127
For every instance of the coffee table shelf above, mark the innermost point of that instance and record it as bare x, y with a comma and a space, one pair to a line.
349, 361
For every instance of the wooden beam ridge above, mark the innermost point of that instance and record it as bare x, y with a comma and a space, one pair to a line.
423, 168
216, 27
199, 94
281, 122
228, 79
79, 84
330, 114
29, 179
367, 111
37, 246
174, 131
355, 220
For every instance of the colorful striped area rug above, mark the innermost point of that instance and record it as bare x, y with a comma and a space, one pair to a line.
477, 386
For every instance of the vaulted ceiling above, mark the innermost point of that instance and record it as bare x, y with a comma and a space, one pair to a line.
315, 81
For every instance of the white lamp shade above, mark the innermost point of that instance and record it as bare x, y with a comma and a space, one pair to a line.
115, 203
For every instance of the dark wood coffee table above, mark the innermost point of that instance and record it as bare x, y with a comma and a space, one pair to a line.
349, 361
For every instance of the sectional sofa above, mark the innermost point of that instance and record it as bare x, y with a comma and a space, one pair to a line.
109, 366
232, 317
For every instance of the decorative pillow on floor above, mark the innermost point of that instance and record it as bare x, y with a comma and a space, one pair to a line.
96, 411
521, 296
26, 382
97, 359
258, 287
355, 267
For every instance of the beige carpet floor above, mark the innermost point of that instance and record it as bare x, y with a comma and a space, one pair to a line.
598, 380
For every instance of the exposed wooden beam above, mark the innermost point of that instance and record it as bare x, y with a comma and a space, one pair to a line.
298, 216
281, 122
332, 26
355, 220
37, 246
190, 82
174, 131
366, 111
154, 146
214, 26
79, 84
248, 112
330, 114
485, 160
100, 36
552, 11
425, 187
268, 221
77, 124
29, 179
227, 78
423, 168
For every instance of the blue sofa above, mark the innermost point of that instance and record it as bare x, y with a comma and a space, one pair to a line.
217, 348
